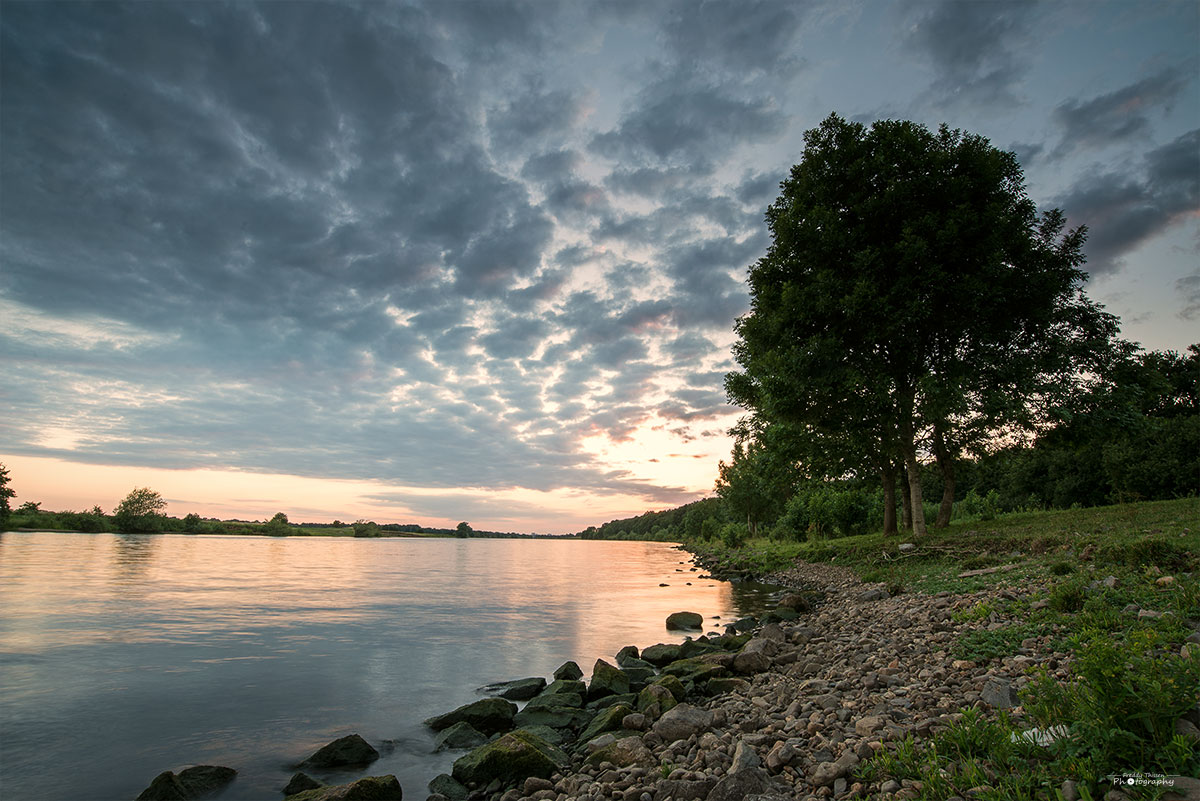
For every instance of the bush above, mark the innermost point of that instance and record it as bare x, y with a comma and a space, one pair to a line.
140, 511
1067, 597
733, 534
986, 507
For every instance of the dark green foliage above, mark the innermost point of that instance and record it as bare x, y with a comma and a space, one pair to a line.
6, 493
365, 528
1067, 596
278, 526
141, 511
463, 530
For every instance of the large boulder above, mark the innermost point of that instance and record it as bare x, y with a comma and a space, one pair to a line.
556, 699
555, 716
460, 735
519, 690
607, 720
569, 670
695, 670
371, 788
685, 620
301, 782
607, 680
349, 751
662, 654
654, 700
447, 786
682, 721
194, 782
512, 758
488, 715
565, 686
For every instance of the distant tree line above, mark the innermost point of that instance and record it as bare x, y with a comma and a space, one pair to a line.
916, 324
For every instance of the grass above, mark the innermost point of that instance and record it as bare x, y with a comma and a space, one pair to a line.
1128, 681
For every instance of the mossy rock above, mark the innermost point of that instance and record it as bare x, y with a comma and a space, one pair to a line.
661, 654
656, 699
564, 686
370, 788
606, 720
639, 676
194, 782
488, 715
553, 716
695, 670
612, 700
731, 642
673, 684
626, 654
460, 735
697, 647
447, 785
568, 670
624, 752
510, 759
556, 699
552, 736
518, 690
607, 680
685, 620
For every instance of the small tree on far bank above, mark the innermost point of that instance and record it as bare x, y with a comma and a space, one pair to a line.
278, 526
464, 530
140, 512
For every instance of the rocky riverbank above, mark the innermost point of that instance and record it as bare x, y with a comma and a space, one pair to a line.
841, 672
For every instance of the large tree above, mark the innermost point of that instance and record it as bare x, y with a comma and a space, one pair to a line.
912, 298
140, 511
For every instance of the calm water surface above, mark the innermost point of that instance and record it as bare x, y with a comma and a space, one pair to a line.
122, 656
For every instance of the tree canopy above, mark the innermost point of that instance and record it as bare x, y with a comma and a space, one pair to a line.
140, 511
911, 297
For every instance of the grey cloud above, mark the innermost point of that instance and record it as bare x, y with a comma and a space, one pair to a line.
1119, 116
514, 337
682, 120
758, 35
1189, 288
1123, 210
974, 46
526, 119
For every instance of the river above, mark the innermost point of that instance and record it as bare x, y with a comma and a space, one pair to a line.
122, 656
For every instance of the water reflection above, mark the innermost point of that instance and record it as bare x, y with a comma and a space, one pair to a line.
254, 651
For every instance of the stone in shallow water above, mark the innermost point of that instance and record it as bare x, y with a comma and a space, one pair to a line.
189, 783
343, 752
685, 620
370, 788
518, 690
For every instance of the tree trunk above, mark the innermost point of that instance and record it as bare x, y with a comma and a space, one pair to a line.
945, 461
909, 445
905, 506
888, 476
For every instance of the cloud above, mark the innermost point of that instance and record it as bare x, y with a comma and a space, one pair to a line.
975, 47
682, 120
1116, 117
1123, 210
1189, 288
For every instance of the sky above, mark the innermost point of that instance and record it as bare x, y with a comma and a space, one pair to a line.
441, 261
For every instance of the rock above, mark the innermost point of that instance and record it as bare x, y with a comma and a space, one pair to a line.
512, 758
535, 784
753, 662
623, 753
682, 722
661, 654
488, 715
349, 751
744, 758
1165, 581
301, 782
194, 782
1070, 791
564, 686
736, 786
695, 669
719, 686
673, 684
876, 594
555, 716
999, 693
371, 788
782, 755
906, 547
608, 720
1186, 728
685, 789
889, 786
864, 727
607, 680
446, 785
654, 700
685, 620
796, 601
519, 690
460, 735
634, 721
568, 670
827, 773
629, 699
1182, 788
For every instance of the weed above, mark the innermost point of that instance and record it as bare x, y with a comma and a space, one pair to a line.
981, 645
1061, 568
1067, 596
